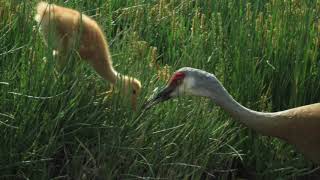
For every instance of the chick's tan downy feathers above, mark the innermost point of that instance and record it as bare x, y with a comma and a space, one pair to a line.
67, 29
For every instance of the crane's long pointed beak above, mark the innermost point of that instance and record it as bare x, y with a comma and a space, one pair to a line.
159, 97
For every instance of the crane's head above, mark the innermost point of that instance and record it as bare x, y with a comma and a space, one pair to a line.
185, 81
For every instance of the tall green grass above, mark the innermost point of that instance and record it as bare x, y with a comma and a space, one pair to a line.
264, 52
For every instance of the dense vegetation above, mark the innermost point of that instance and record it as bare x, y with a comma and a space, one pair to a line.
61, 125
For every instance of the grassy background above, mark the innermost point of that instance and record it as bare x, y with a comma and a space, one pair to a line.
264, 52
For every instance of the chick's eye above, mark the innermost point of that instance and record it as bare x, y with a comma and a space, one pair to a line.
134, 92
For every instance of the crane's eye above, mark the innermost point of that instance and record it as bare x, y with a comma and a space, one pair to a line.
134, 92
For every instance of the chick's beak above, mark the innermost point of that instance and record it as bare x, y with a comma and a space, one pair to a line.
159, 97
134, 103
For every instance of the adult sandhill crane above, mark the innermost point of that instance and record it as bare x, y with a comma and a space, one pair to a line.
298, 126
68, 28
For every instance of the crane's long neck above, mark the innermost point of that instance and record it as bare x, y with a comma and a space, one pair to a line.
115, 77
112, 75
106, 69
264, 123
103, 64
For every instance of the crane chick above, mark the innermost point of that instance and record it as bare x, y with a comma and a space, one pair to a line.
67, 28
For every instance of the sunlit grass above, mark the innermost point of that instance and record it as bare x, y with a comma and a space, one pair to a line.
59, 125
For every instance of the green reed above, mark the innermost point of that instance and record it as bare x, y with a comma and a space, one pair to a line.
60, 125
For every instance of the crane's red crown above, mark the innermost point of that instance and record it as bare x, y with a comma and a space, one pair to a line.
176, 77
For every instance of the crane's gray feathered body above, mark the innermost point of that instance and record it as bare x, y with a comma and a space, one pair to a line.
298, 126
